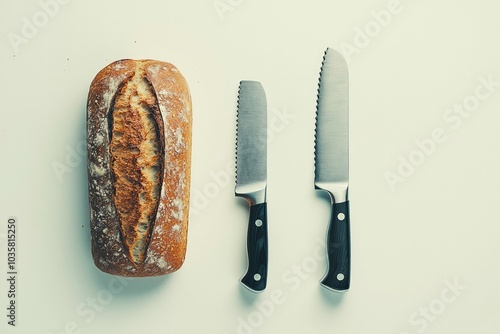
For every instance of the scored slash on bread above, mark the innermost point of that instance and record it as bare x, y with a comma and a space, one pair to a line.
137, 159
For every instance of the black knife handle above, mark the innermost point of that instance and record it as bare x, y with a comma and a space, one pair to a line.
338, 243
257, 249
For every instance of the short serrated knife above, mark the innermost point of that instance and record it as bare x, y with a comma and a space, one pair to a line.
332, 165
251, 177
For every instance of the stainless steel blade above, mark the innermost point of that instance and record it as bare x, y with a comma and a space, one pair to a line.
332, 127
251, 142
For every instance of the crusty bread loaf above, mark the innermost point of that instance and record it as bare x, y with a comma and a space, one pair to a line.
139, 162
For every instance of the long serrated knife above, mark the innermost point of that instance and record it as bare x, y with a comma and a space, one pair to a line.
251, 177
332, 165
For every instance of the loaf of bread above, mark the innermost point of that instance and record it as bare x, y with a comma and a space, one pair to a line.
139, 123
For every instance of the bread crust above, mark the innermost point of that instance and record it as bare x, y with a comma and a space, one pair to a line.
160, 245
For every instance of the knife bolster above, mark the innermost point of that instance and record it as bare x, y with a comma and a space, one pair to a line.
338, 191
253, 196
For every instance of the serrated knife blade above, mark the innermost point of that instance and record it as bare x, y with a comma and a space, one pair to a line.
251, 178
332, 165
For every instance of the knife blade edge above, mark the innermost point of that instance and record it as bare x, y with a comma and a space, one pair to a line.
331, 136
251, 142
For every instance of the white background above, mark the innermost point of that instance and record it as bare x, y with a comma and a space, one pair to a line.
437, 225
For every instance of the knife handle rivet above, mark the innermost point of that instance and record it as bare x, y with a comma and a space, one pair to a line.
257, 277
341, 216
258, 223
340, 277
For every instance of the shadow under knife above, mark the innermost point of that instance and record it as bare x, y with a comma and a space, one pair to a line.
331, 298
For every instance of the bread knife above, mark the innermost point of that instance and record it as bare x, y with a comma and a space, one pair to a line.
332, 165
251, 178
